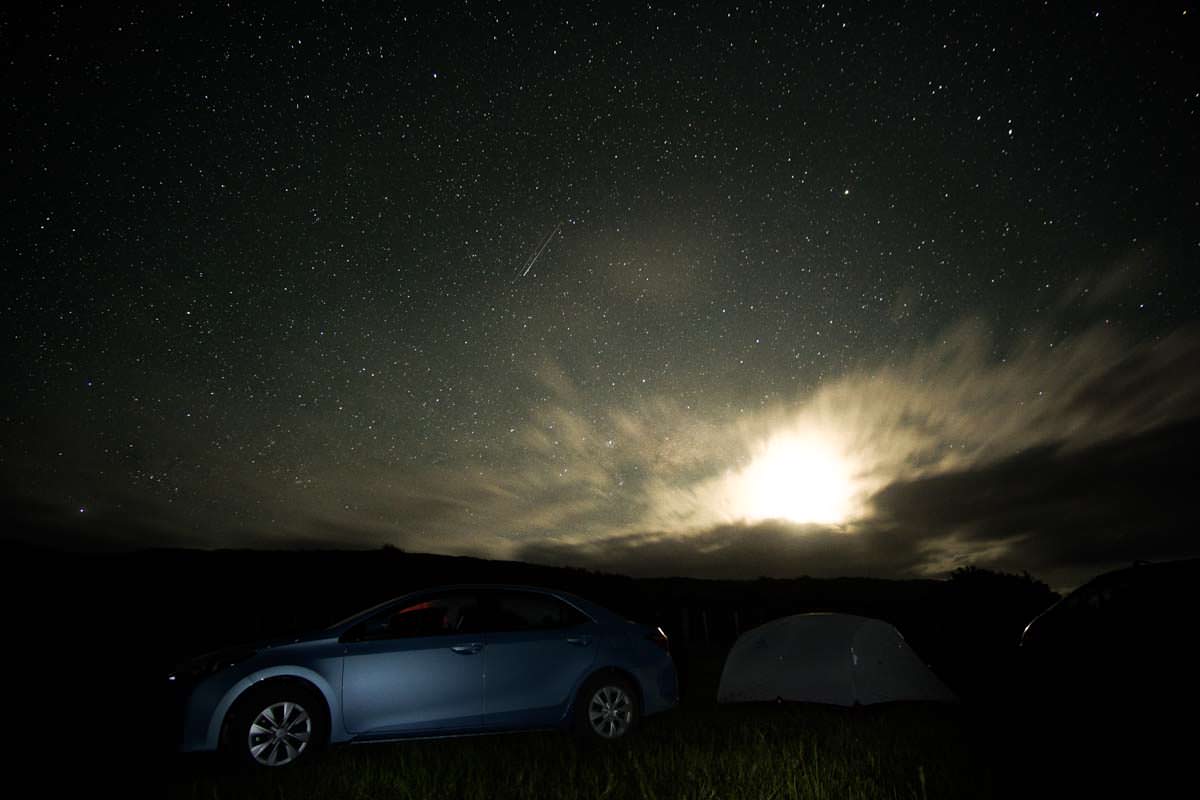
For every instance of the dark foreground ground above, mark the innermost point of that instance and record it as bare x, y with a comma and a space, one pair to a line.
758, 752
705, 750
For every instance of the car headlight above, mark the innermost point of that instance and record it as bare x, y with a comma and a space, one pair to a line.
210, 663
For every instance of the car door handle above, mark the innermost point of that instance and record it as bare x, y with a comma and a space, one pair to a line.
467, 649
581, 641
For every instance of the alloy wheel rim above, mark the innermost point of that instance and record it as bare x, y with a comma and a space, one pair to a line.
610, 711
279, 734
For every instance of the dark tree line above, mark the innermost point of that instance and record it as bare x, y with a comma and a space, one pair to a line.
161, 606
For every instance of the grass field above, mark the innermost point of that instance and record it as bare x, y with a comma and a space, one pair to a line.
759, 751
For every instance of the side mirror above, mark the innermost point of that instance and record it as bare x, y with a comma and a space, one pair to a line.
353, 634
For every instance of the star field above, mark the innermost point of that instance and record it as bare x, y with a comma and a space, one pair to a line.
264, 265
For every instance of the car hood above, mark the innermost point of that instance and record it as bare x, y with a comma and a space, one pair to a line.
299, 638
250, 647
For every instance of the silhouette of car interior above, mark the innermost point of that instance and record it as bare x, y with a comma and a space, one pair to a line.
428, 618
463, 614
471, 613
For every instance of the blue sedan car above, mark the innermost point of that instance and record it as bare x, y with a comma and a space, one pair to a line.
455, 660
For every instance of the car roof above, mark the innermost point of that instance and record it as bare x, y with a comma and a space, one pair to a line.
1139, 572
1143, 570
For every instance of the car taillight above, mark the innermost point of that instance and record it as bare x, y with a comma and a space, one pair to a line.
660, 638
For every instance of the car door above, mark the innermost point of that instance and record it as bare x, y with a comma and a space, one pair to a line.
538, 648
415, 668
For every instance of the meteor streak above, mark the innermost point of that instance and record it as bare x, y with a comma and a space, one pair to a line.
538, 253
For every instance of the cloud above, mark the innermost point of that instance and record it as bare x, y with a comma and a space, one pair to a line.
1058, 512
662, 266
1063, 515
773, 549
960, 454
1096, 291
1055, 454
1060, 456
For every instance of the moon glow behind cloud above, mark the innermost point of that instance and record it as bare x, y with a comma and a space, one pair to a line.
797, 478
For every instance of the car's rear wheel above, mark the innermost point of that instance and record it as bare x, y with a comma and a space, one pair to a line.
277, 726
607, 709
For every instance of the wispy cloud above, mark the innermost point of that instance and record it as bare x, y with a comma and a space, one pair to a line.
958, 450
1049, 455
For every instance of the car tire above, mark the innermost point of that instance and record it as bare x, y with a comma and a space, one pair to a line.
276, 726
606, 709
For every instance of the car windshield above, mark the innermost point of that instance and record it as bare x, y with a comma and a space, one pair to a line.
359, 614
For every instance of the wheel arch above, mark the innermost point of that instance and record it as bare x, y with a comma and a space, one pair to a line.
606, 671
306, 679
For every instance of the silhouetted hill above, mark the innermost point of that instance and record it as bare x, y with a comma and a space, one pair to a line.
155, 607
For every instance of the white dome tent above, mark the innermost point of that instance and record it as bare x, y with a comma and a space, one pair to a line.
840, 659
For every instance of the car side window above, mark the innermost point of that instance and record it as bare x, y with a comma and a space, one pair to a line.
523, 611
440, 615
1108, 597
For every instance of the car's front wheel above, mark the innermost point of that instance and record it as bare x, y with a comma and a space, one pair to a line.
608, 708
277, 726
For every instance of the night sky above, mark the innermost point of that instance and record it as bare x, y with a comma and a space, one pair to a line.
774, 289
